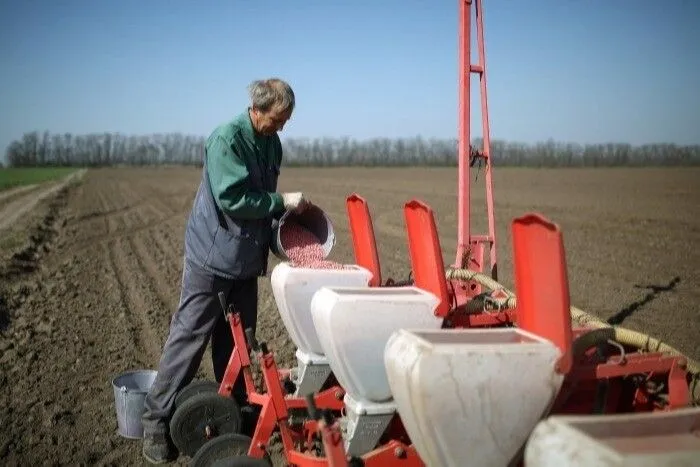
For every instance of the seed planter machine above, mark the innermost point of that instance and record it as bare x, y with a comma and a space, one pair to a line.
448, 368
207, 424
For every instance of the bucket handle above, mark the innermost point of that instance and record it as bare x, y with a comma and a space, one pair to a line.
123, 391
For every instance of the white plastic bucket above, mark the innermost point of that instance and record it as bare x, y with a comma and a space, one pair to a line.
130, 391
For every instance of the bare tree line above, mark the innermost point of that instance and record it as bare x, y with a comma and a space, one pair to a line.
37, 149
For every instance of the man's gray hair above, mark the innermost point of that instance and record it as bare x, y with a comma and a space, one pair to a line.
268, 93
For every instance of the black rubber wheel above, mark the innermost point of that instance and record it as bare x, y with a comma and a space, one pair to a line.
201, 417
229, 450
194, 388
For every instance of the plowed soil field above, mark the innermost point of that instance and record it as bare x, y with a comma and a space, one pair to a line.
90, 276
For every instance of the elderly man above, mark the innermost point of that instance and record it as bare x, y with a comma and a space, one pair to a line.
227, 241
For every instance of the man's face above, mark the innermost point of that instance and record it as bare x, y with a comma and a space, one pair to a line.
272, 121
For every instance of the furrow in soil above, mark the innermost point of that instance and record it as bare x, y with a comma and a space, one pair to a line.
167, 292
135, 305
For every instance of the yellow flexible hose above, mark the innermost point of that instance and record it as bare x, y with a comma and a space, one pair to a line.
624, 336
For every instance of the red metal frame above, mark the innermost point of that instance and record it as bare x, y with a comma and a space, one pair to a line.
331, 435
470, 248
274, 403
275, 407
392, 453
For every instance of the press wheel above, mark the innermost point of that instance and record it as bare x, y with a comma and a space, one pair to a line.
202, 417
194, 388
229, 450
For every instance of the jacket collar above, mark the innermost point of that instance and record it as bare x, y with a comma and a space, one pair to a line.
247, 126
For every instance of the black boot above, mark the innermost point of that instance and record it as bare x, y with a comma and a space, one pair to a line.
159, 449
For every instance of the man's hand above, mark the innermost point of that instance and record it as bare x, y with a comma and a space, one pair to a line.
294, 201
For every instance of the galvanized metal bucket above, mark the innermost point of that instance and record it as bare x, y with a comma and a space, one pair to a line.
130, 391
312, 218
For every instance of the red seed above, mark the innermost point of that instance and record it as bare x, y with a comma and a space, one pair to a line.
303, 248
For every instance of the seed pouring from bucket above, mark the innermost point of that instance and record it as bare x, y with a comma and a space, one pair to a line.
306, 239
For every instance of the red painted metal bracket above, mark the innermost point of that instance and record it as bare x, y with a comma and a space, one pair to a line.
541, 283
425, 252
363, 240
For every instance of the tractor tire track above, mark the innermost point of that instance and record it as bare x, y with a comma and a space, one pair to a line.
12, 192
116, 229
134, 304
21, 206
134, 327
147, 293
166, 293
170, 254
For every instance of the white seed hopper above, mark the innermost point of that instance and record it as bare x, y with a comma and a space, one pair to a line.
293, 288
471, 396
353, 325
620, 440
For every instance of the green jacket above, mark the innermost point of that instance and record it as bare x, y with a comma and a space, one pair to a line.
236, 207
230, 148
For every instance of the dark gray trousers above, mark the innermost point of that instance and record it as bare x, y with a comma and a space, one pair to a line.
199, 316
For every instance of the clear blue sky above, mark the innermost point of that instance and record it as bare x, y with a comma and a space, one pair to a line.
581, 71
